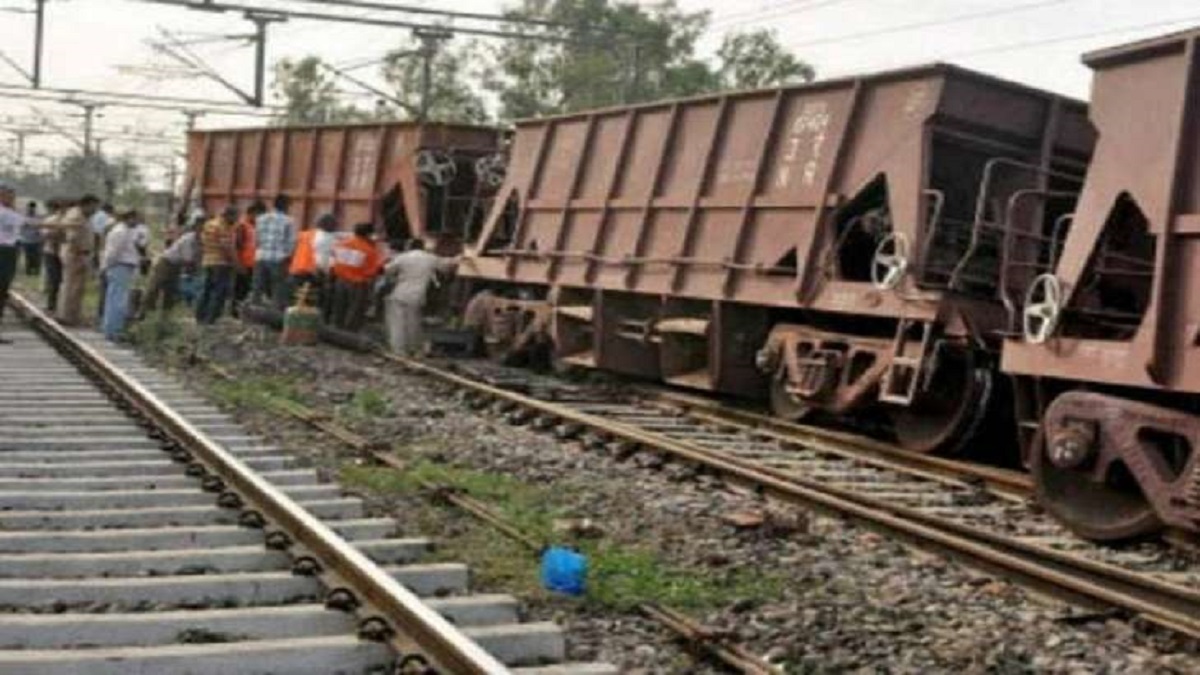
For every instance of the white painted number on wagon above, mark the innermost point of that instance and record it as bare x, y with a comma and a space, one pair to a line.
804, 144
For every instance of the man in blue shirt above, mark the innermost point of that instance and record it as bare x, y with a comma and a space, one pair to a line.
274, 241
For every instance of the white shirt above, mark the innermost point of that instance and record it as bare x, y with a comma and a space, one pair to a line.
10, 226
413, 271
141, 233
120, 247
323, 248
183, 251
99, 222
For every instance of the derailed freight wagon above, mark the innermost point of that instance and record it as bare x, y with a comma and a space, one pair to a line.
432, 181
834, 246
1108, 366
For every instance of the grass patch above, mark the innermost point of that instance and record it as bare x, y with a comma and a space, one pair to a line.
620, 576
254, 391
366, 404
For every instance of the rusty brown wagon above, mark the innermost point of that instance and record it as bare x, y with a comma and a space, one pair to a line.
1106, 362
432, 181
833, 246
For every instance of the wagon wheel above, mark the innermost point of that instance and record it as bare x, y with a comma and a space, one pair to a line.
784, 404
490, 170
890, 263
945, 415
435, 169
1043, 308
1096, 499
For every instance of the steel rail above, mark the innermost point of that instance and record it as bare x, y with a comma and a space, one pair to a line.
414, 623
1002, 481
1081, 581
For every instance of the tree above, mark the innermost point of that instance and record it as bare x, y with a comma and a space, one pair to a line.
612, 53
452, 95
620, 52
309, 94
118, 179
756, 59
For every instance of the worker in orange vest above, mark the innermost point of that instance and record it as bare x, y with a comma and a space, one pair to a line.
303, 268
244, 243
356, 261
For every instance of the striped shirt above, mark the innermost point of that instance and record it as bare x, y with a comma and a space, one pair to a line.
274, 237
216, 243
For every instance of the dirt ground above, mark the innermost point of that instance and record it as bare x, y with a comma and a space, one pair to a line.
812, 594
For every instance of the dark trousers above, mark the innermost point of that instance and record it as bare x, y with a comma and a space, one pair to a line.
270, 283
214, 292
102, 282
33, 259
54, 278
348, 306
243, 281
8, 270
162, 291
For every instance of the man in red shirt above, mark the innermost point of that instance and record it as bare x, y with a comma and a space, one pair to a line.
243, 242
356, 263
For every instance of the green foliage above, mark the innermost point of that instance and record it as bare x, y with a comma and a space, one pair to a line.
615, 53
453, 96
309, 94
606, 53
620, 576
118, 179
366, 404
255, 391
755, 59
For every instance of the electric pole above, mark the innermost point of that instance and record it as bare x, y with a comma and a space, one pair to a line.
430, 40
89, 120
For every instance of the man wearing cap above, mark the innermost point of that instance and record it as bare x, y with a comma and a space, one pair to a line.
218, 258
10, 234
274, 242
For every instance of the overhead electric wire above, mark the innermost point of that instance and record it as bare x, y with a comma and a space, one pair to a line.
131, 100
770, 12
1072, 38
931, 23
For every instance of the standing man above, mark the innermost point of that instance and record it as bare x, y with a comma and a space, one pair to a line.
356, 263
10, 235
31, 240
274, 241
414, 270
218, 260
118, 264
244, 243
52, 242
78, 244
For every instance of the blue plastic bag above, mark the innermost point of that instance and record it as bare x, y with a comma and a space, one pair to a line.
564, 570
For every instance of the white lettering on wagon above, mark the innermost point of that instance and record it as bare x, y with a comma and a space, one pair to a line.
804, 144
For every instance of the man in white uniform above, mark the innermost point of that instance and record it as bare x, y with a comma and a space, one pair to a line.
413, 271
119, 264
10, 235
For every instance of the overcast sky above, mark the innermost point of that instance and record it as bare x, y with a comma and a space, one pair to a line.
90, 44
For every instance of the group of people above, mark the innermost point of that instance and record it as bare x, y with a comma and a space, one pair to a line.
257, 256
76, 239
261, 257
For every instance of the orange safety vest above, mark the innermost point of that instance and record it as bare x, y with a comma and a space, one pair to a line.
246, 243
304, 260
356, 260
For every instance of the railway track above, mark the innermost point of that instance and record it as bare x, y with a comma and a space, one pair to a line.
142, 531
980, 515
